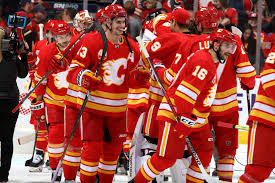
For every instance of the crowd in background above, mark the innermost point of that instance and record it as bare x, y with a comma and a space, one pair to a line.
241, 13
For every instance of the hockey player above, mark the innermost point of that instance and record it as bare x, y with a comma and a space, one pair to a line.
105, 110
192, 94
82, 20
260, 151
51, 92
225, 108
42, 137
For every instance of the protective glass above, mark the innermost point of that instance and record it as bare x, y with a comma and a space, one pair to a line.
228, 47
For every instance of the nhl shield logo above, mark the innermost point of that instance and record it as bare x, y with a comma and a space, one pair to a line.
99, 54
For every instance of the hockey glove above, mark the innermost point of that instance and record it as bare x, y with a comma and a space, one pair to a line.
244, 87
184, 126
139, 77
56, 65
87, 80
38, 109
157, 65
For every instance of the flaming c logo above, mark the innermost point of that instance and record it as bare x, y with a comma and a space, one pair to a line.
111, 69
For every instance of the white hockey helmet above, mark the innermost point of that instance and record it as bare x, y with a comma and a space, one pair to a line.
82, 19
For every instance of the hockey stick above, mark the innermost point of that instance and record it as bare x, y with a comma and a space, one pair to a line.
248, 101
114, 2
25, 139
91, 28
28, 138
133, 149
228, 125
41, 36
195, 155
104, 39
34, 145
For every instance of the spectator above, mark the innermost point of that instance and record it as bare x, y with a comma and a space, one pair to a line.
167, 4
228, 15
269, 39
58, 16
40, 14
243, 8
266, 18
150, 6
68, 16
249, 43
252, 20
26, 6
134, 23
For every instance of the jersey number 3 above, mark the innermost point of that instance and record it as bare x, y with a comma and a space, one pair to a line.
200, 72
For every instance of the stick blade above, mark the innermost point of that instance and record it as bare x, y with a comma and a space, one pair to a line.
16, 108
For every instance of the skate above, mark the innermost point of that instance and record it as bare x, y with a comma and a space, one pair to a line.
214, 173
28, 162
38, 161
59, 175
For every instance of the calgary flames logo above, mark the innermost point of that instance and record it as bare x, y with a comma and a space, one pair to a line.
111, 68
210, 97
60, 80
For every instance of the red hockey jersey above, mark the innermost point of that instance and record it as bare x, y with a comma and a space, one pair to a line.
185, 49
54, 87
264, 108
194, 95
110, 97
237, 65
163, 49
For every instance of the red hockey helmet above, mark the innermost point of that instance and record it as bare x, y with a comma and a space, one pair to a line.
224, 38
181, 15
60, 27
208, 17
113, 11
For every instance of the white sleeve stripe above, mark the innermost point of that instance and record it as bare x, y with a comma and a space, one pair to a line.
187, 91
267, 78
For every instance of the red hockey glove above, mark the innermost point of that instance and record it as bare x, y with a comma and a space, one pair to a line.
157, 65
38, 109
55, 64
184, 126
244, 87
139, 77
87, 80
